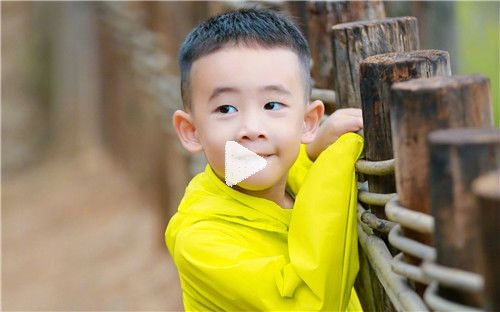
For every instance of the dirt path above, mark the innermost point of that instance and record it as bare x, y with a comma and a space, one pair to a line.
76, 235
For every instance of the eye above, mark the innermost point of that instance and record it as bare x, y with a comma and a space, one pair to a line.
226, 109
273, 106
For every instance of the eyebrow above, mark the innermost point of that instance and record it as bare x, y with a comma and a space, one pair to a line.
275, 88
219, 91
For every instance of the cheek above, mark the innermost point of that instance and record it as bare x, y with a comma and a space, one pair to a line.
291, 130
213, 142
213, 145
210, 133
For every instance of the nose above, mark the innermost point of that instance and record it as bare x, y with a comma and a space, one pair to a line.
252, 127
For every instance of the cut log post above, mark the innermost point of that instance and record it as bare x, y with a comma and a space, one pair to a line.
377, 74
487, 191
322, 16
353, 42
456, 158
420, 106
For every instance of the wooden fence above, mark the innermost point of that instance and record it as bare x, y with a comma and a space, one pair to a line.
429, 196
423, 243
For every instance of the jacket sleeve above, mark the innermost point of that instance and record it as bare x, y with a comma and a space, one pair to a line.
220, 270
322, 238
298, 171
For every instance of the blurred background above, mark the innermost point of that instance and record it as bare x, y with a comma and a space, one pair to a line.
91, 168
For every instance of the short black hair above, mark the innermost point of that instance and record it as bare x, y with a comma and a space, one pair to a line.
248, 26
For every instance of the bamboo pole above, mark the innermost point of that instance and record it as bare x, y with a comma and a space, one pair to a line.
377, 74
456, 158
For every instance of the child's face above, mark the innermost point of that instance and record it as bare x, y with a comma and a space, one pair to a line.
254, 96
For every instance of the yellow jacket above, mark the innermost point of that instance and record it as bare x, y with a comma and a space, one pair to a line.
236, 252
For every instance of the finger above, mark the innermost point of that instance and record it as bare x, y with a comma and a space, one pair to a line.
354, 112
349, 111
354, 124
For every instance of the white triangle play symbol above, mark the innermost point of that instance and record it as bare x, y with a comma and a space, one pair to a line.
241, 163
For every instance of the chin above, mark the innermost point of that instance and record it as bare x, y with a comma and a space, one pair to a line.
254, 187
259, 182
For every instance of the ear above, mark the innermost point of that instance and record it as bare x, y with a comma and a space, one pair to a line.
312, 118
186, 130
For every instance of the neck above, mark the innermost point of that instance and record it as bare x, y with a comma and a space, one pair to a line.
276, 193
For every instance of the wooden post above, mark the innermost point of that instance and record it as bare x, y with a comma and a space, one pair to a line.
420, 106
322, 15
487, 191
456, 158
353, 42
377, 74
297, 11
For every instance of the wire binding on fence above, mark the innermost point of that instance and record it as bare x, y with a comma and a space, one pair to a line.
410, 271
377, 168
438, 303
368, 218
428, 273
455, 278
402, 296
417, 221
376, 199
375, 223
409, 246
414, 220
384, 167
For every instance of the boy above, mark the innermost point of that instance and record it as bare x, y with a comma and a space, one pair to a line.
245, 78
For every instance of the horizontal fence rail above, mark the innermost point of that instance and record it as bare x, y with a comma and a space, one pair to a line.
394, 272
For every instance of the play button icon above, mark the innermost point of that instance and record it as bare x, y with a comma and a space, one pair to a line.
241, 163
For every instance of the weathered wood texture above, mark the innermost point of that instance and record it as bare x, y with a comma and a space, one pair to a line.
353, 42
456, 158
420, 106
377, 74
371, 293
487, 191
322, 16
297, 11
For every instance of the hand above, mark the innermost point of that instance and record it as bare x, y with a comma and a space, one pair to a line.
341, 121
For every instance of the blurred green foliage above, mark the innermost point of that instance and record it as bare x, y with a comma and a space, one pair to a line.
478, 29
